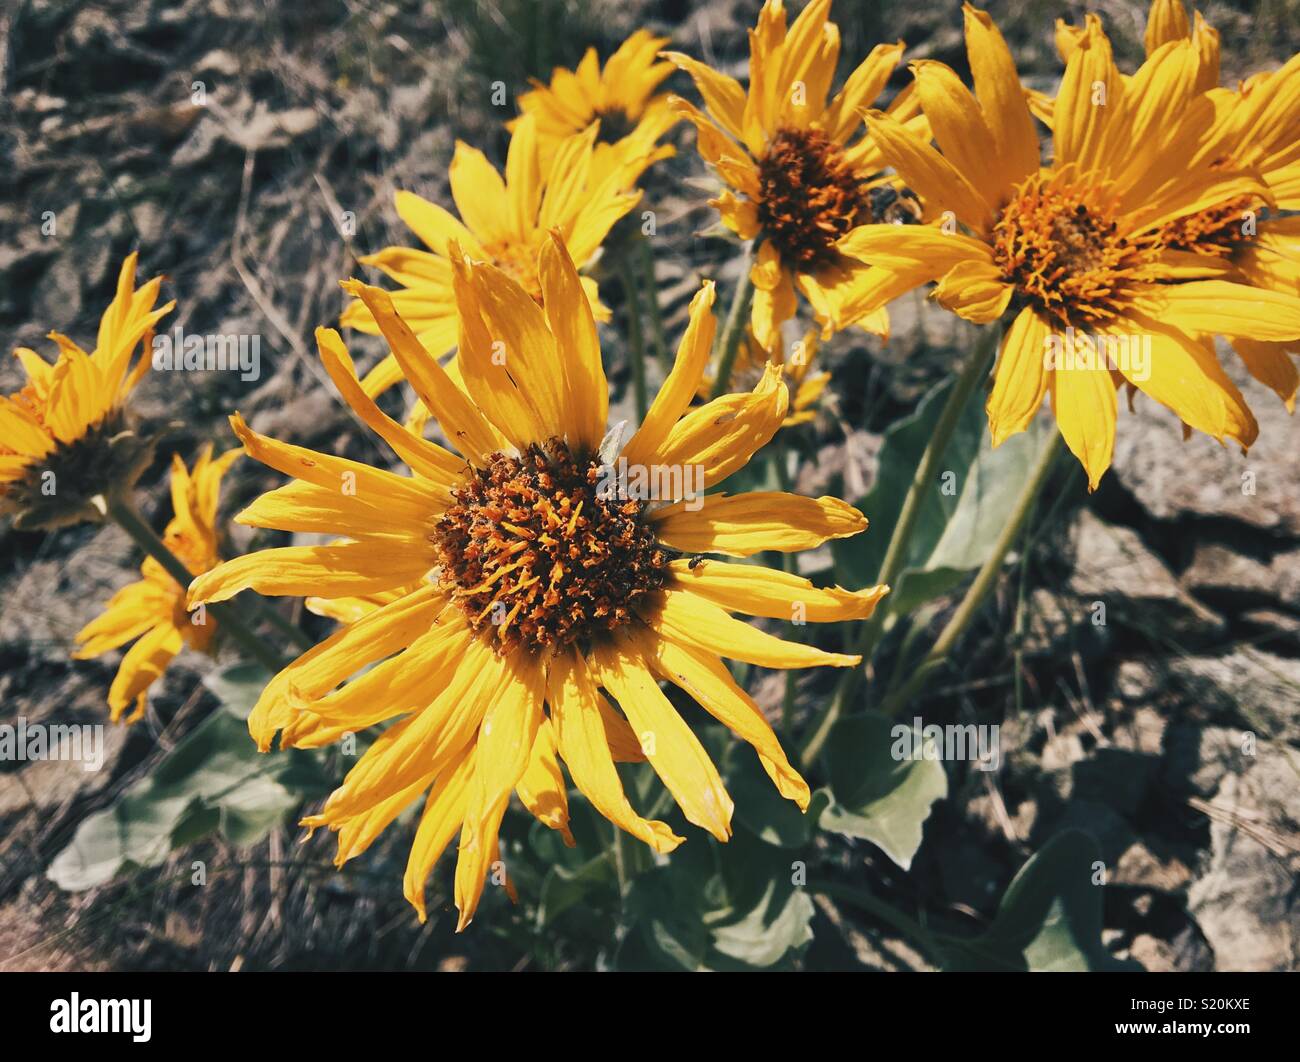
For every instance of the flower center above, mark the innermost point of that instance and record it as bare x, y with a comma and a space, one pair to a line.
1061, 248
809, 197
1216, 232
615, 124
531, 548
519, 263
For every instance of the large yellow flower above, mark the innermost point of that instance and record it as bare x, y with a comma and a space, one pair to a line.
622, 98
531, 580
504, 222
1077, 254
1256, 126
63, 437
795, 181
152, 609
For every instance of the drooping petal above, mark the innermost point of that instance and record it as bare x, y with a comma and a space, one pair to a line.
505, 742
707, 680
541, 788
1083, 400
1020, 378
672, 749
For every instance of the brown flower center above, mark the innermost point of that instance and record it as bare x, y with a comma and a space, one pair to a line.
1216, 232
809, 197
532, 549
1061, 248
615, 124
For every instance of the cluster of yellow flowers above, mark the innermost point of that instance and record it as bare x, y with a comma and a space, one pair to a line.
493, 601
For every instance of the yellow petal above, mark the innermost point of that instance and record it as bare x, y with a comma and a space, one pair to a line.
941, 186
1020, 379
707, 680
142, 665
434, 225
699, 624
672, 749
479, 192
350, 648
683, 381
444, 812
404, 496
721, 436
1083, 400
722, 95
507, 356
363, 567
505, 742
1220, 306
844, 114
744, 524
541, 788
1271, 365
758, 591
569, 317
975, 291
1183, 374
425, 458
1090, 103
466, 427
997, 86
1166, 21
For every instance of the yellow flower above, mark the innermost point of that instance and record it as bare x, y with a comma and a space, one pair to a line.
504, 222
622, 98
794, 179
152, 610
64, 436
1076, 254
530, 581
752, 360
1255, 126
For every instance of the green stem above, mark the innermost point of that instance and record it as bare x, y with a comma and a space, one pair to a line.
972, 375
227, 615
658, 337
789, 564
282, 623
984, 579
734, 328
635, 340
885, 912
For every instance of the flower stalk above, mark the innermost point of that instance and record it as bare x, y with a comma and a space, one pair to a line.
976, 369
635, 340
658, 337
734, 328
984, 579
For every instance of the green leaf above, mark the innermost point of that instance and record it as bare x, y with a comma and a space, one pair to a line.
766, 919
719, 907
213, 780
961, 513
762, 809
238, 687
875, 796
1050, 917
